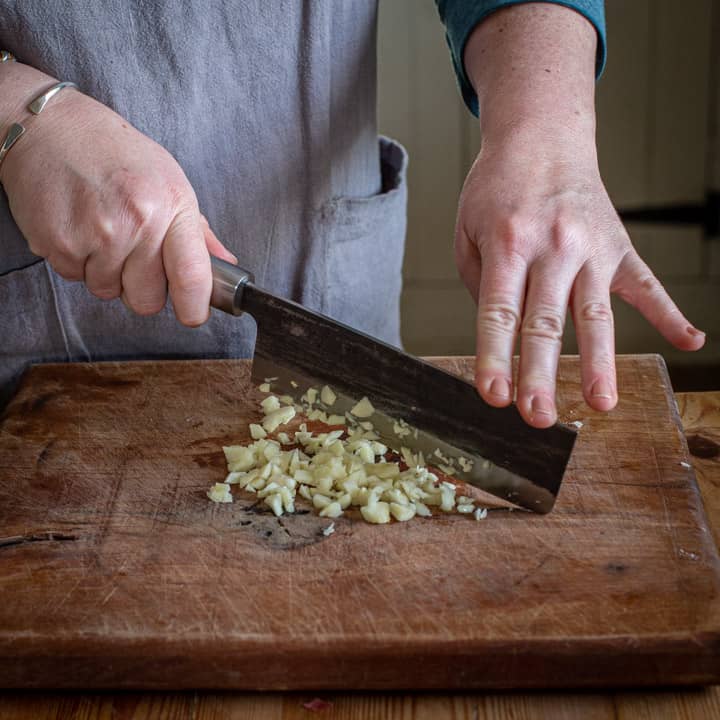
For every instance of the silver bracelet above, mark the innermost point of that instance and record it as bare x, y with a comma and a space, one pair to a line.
36, 107
14, 134
39, 103
6, 56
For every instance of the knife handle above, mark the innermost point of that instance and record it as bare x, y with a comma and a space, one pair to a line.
228, 283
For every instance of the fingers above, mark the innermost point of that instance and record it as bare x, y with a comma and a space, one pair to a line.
187, 266
593, 318
540, 340
636, 284
139, 275
103, 272
468, 262
143, 279
500, 301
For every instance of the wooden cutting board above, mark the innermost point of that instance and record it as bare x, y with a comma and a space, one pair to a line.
116, 570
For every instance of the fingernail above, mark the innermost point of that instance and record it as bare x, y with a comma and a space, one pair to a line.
695, 332
500, 388
541, 405
602, 389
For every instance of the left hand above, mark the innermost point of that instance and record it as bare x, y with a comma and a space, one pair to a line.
537, 233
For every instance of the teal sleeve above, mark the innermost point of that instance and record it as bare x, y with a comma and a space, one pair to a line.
461, 16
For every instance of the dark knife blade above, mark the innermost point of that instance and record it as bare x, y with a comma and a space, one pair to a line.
302, 348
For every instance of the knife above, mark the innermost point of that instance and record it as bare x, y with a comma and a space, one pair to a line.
416, 405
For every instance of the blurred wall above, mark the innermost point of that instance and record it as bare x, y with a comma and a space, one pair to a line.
654, 108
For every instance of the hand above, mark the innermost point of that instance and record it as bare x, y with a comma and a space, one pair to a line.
106, 205
537, 232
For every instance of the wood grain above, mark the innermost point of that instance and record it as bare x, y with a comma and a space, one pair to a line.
700, 413
159, 588
701, 704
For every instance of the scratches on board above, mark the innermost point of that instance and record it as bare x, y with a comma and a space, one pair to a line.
42, 536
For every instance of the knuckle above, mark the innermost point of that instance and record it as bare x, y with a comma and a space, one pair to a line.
512, 234
565, 236
596, 312
544, 324
137, 212
498, 317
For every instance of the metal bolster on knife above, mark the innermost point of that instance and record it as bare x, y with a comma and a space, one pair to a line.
228, 284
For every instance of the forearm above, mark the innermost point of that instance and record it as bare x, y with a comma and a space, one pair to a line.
533, 67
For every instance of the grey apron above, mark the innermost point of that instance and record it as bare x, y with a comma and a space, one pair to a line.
269, 108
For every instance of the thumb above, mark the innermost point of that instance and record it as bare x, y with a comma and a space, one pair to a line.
214, 246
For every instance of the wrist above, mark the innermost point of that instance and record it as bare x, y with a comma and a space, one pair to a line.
550, 133
19, 85
532, 67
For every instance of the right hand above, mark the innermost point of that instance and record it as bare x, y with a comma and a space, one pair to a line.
105, 204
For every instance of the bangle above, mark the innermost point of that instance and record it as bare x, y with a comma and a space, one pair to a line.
36, 107
6, 56
14, 134
39, 103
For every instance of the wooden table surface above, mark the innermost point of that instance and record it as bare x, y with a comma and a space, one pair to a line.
701, 418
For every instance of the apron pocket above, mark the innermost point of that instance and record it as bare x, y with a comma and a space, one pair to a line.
365, 240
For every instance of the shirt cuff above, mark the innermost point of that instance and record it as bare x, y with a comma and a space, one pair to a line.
461, 16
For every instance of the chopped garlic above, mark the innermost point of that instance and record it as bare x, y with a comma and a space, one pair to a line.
481, 513
336, 420
265, 387
377, 513
287, 400
293, 383
363, 409
220, 493
465, 464
402, 513
278, 417
332, 510
335, 470
274, 502
257, 432
236, 478
239, 457
310, 396
329, 530
317, 414
328, 396
270, 403
321, 501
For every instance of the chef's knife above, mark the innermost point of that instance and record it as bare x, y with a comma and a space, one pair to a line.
490, 448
